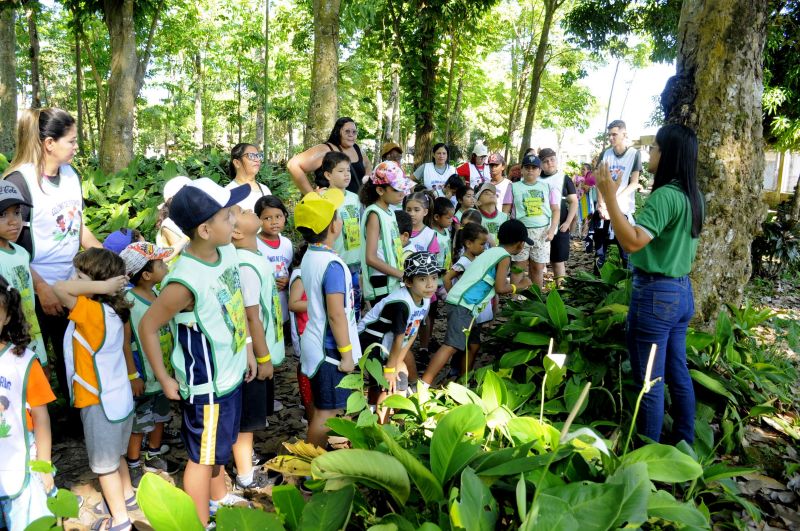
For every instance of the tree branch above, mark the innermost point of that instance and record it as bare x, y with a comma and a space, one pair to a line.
141, 68
396, 24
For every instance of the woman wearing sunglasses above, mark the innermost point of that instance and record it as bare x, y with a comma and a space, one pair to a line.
242, 169
342, 138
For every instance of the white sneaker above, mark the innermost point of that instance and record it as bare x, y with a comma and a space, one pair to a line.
277, 405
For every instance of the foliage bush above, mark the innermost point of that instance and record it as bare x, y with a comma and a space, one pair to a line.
775, 252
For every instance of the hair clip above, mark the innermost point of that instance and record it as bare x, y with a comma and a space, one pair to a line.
8, 288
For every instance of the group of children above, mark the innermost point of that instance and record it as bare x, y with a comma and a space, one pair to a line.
207, 326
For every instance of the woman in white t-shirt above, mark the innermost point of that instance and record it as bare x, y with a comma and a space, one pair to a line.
433, 175
244, 165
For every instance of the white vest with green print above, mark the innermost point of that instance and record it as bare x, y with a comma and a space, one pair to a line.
478, 271
269, 300
219, 314
493, 224
15, 268
165, 338
348, 244
14, 435
390, 250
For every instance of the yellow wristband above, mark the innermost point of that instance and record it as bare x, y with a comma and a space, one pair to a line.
132, 376
388, 370
513, 289
265, 359
346, 348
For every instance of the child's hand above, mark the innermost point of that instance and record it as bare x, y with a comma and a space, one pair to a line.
391, 377
170, 388
281, 283
48, 299
137, 386
564, 227
265, 371
48, 481
347, 365
252, 367
113, 285
524, 284
549, 236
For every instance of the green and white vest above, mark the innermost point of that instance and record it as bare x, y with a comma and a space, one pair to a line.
493, 224
445, 256
416, 314
166, 337
532, 203
15, 462
477, 272
15, 268
312, 342
218, 313
348, 244
390, 250
269, 300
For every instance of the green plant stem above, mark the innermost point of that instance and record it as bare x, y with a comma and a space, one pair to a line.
466, 351
636, 414
541, 408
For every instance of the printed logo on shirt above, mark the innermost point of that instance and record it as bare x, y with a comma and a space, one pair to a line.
68, 219
21, 280
5, 428
352, 228
229, 296
533, 203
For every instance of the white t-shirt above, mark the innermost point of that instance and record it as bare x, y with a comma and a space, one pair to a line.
249, 202
281, 259
251, 286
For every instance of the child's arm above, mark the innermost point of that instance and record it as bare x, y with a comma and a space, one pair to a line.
137, 384
337, 318
44, 441
396, 357
449, 277
260, 348
296, 290
555, 218
501, 284
174, 298
68, 291
372, 237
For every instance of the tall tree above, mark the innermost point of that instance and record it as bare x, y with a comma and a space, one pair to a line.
78, 77
31, 7
8, 79
322, 106
720, 74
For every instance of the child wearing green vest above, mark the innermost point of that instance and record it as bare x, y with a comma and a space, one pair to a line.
213, 348
145, 267
265, 321
486, 276
381, 248
491, 218
537, 205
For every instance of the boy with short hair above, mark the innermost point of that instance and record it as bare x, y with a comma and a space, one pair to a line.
145, 267
491, 217
329, 345
537, 206
473, 291
202, 294
405, 227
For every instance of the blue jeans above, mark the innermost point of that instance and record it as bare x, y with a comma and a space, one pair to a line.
659, 313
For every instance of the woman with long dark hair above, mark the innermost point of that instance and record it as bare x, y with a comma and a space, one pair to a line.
243, 168
434, 174
662, 245
342, 138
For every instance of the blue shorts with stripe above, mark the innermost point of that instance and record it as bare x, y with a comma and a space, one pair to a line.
211, 426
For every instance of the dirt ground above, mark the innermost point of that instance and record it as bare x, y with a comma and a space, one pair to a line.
777, 495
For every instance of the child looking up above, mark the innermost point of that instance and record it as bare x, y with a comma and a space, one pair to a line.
395, 321
96, 370
491, 218
466, 200
202, 294
24, 422
329, 345
405, 226
265, 322
169, 235
15, 262
381, 248
536, 205
145, 267
451, 186
276, 247
467, 298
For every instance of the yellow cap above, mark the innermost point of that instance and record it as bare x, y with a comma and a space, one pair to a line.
315, 211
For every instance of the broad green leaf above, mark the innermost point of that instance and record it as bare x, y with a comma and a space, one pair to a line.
45, 523
476, 510
429, 526
528, 429
366, 418
356, 402
375, 369
493, 391
595, 506
375, 469
166, 506
698, 340
423, 479
524, 464
517, 357
351, 381
328, 511
393, 522
535, 339
64, 504
289, 504
246, 519
613, 308
662, 505
449, 451
712, 384
665, 463
44, 467
556, 310
724, 328
521, 492
555, 375
348, 428
556, 516
719, 471
463, 395
636, 485
399, 402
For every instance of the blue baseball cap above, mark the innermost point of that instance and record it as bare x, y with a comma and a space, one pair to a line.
531, 160
118, 240
200, 199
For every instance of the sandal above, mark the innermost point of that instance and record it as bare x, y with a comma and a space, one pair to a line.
104, 524
101, 509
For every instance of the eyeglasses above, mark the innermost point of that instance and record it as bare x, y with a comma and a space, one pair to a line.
255, 156
350, 131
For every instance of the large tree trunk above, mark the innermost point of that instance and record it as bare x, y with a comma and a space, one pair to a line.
8, 80
33, 53
427, 97
322, 105
450, 75
455, 129
550, 7
198, 100
717, 92
116, 146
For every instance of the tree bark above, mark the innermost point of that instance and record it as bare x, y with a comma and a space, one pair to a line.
379, 110
78, 80
322, 105
717, 92
455, 118
391, 118
424, 130
265, 124
239, 101
33, 53
450, 75
198, 100
8, 80
550, 7
100, 101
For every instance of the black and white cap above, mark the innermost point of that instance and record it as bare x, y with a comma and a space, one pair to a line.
420, 264
10, 196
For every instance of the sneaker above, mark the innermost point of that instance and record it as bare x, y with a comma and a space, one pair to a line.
261, 480
157, 463
163, 450
277, 405
259, 459
229, 500
136, 474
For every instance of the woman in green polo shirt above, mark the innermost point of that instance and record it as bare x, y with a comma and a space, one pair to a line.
662, 246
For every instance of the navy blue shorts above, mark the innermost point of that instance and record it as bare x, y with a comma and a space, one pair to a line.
323, 384
209, 430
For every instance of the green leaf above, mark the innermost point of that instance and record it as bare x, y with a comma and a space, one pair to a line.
493, 391
347, 428
477, 509
521, 492
556, 517
366, 418
45, 467
712, 384
423, 478
64, 504
535, 339
449, 451
724, 332
328, 511
517, 357
665, 463
719, 471
45, 523
556, 310
166, 506
289, 504
662, 505
375, 469
351, 381
399, 402
595, 506
246, 519
393, 522
356, 402
698, 340
636, 485
463, 395
375, 368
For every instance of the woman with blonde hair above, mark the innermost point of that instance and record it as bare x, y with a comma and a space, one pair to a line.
53, 231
